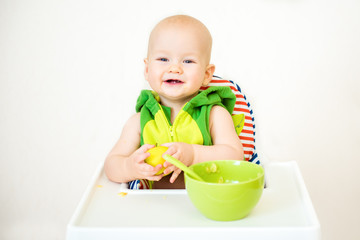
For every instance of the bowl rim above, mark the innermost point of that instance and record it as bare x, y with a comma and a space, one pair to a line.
231, 183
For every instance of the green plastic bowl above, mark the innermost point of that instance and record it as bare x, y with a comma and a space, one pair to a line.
231, 189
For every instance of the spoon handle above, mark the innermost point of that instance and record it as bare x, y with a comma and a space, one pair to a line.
182, 166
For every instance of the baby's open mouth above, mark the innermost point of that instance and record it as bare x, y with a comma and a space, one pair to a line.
173, 81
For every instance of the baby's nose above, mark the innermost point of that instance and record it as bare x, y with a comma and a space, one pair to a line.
175, 68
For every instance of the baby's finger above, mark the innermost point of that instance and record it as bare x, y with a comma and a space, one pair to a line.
175, 174
157, 168
146, 168
167, 144
155, 177
150, 170
140, 158
169, 169
170, 152
175, 155
167, 164
144, 148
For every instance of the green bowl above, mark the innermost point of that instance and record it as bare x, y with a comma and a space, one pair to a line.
231, 189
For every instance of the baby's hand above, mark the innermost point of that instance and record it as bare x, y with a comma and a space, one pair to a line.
184, 152
140, 169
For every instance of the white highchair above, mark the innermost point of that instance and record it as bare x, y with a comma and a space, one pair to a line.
109, 210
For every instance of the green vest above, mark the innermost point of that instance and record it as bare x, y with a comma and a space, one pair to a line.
191, 125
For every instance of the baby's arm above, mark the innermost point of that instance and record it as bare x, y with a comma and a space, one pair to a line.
125, 161
226, 143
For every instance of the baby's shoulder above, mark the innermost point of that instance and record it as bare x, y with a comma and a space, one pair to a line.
135, 117
218, 110
133, 121
218, 114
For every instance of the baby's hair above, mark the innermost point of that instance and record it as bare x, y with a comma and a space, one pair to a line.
182, 21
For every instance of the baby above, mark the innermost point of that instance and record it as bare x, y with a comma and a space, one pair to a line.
196, 126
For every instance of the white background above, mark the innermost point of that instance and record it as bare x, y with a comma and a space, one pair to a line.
70, 73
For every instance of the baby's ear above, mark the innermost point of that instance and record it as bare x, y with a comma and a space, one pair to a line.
210, 69
146, 69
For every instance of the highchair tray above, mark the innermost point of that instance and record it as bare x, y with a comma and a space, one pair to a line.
107, 211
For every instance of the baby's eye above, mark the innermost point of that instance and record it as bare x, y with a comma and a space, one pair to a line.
162, 59
189, 61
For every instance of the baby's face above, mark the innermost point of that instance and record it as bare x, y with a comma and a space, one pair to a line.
178, 62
